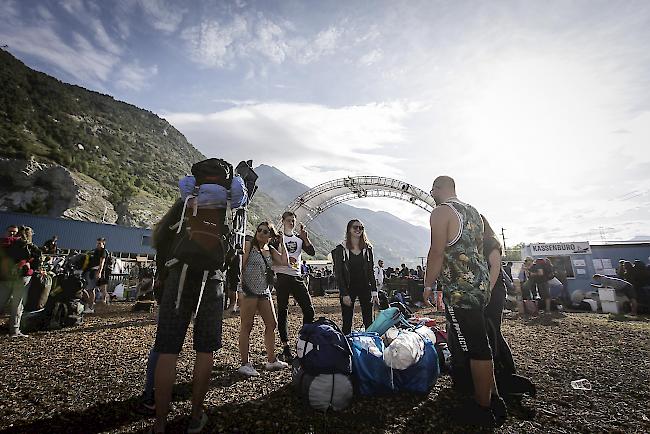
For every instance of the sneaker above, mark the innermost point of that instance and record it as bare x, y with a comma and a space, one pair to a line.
146, 406
473, 414
197, 425
19, 334
248, 370
286, 354
499, 410
277, 365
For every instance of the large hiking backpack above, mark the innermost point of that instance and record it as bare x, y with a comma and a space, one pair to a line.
323, 349
322, 392
203, 239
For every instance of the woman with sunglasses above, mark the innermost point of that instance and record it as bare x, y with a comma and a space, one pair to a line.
353, 266
255, 296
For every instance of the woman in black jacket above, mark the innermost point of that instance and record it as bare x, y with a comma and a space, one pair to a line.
353, 266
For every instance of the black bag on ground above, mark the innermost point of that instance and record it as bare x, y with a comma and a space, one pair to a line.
38, 292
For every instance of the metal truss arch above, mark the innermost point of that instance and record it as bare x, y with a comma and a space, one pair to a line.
319, 199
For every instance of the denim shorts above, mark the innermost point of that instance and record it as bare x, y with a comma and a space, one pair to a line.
173, 323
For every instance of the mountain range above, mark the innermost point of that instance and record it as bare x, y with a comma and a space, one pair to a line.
66, 151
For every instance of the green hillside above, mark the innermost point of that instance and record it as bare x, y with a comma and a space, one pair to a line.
123, 147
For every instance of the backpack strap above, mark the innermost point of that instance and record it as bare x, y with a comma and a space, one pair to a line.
203, 280
181, 284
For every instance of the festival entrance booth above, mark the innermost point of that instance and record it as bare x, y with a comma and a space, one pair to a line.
580, 260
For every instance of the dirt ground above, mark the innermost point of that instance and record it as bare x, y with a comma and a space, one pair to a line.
87, 379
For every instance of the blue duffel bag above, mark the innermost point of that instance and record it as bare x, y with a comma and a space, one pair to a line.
370, 374
420, 377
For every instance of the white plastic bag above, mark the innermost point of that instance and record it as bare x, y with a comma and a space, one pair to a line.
406, 350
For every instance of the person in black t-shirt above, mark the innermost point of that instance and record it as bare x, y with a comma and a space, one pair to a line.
94, 272
353, 266
50, 245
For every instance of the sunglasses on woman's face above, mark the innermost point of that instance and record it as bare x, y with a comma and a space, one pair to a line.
357, 227
263, 231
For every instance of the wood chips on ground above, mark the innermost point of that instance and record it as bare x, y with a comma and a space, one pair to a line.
87, 379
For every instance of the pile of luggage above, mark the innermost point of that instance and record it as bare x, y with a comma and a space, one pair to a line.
54, 298
393, 355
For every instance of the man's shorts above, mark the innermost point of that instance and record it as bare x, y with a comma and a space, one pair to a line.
91, 279
173, 323
469, 329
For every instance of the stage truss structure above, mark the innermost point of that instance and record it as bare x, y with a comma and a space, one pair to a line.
319, 199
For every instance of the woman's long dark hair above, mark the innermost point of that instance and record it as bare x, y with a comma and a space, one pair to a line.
162, 235
363, 242
271, 227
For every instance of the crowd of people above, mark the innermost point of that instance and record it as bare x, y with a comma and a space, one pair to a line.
463, 276
22, 261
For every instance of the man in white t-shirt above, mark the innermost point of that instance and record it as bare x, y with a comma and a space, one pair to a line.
290, 280
379, 274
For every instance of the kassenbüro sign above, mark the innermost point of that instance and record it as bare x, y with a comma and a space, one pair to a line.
557, 249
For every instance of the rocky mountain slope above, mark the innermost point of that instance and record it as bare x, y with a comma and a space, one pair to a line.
69, 152
131, 153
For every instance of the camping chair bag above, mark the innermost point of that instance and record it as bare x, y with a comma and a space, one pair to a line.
370, 374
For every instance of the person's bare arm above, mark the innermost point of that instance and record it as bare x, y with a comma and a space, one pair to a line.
439, 223
494, 259
247, 252
281, 257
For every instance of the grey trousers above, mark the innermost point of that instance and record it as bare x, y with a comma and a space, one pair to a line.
16, 290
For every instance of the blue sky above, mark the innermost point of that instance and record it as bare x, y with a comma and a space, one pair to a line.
540, 110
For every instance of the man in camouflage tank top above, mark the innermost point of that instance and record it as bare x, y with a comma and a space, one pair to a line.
456, 262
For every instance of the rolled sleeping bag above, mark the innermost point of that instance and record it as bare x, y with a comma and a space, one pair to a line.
214, 195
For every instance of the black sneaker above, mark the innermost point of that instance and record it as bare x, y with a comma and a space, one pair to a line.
146, 407
286, 354
499, 410
470, 413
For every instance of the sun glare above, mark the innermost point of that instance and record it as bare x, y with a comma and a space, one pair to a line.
533, 104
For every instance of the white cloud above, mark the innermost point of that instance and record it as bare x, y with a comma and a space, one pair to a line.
135, 77
163, 15
371, 57
212, 44
8, 9
323, 44
298, 137
254, 37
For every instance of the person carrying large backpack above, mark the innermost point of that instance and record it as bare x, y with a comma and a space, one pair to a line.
193, 287
20, 259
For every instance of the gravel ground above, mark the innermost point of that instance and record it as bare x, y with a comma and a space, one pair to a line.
87, 379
